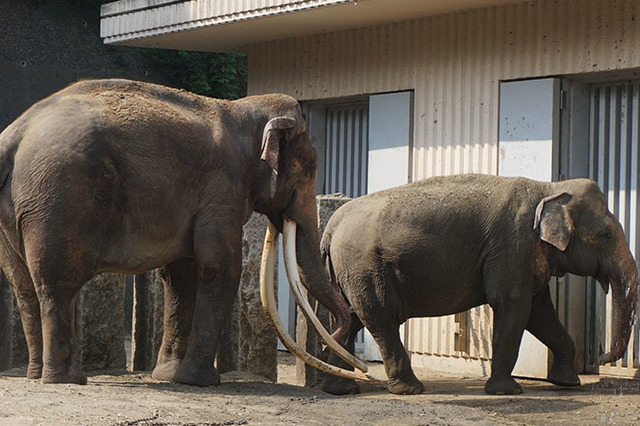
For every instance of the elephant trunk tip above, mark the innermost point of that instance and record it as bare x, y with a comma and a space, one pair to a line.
618, 349
342, 331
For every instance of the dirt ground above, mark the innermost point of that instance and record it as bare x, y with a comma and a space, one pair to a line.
126, 398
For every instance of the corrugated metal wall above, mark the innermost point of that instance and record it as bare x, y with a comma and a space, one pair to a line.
614, 140
454, 64
346, 149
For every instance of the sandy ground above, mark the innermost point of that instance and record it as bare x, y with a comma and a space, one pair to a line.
125, 398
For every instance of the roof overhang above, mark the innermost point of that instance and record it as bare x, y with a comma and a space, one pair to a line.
232, 25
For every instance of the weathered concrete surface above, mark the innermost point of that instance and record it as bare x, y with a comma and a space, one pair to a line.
46, 45
19, 350
100, 322
305, 334
147, 325
13, 346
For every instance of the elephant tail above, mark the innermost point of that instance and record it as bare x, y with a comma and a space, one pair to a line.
325, 250
10, 139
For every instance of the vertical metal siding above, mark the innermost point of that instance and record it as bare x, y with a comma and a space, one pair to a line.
454, 64
346, 150
614, 142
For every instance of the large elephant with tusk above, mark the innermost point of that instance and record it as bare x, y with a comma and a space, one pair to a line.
124, 176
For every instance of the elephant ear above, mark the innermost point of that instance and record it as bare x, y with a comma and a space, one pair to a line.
552, 221
270, 151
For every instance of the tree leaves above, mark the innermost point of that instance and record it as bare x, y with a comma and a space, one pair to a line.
218, 75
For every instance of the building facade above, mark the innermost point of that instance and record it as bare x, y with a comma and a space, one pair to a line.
399, 91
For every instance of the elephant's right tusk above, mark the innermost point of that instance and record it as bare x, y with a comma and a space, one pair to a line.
291, 266
267, 293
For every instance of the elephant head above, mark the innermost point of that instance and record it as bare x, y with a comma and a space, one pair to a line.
286, 193
590, 241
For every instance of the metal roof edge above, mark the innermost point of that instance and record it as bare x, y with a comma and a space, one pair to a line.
114, 30
129, 6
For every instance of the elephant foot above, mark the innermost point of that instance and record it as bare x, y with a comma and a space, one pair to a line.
166, 370
191, 375
340, 386
34, 370
74, 375
502, 386
563, 375
405, 386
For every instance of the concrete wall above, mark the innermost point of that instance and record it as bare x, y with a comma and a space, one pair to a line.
48, 44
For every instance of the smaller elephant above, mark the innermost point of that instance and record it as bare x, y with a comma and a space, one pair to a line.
447, 244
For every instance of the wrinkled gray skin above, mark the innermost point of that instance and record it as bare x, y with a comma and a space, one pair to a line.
115, 175
444, 245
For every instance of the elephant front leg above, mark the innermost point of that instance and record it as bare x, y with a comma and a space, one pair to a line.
544, 324
179, 300
510, 318
219, 271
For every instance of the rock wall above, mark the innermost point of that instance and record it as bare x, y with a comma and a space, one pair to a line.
100, 322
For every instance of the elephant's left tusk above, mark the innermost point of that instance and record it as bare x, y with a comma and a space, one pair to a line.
267, 293
291, 266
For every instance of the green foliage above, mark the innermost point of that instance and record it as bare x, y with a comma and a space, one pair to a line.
218, 75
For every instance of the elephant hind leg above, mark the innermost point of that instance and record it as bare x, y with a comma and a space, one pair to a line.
384, 328
380, 315
60, 351
402, 380
341, 385
179, 301
29, 309
17, 273
58, 277
544, 324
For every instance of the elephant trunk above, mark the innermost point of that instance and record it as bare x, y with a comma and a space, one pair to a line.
624, 290
314, 277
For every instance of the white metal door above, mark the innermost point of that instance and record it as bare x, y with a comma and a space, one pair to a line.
614, 140
528, 146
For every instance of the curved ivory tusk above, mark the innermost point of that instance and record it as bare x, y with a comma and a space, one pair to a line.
291, 266
267, 293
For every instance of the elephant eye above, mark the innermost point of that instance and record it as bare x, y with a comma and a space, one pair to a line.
606, 234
